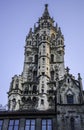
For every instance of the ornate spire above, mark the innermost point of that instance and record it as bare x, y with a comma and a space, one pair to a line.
46, 13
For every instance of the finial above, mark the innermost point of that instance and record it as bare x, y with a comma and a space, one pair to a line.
79, 77
67, 70
59, 30
46, 13
30, 33
56, 27
46, 5
34, 27
80, 81
30, 30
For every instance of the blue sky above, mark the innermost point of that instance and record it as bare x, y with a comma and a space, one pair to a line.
16, 18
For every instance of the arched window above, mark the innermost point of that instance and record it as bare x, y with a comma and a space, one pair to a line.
34, 75
70, 99
68, 80
72, 123
29, 99
42, 102
52, 58
26, 90
42, 25
13, 103
52, 75
34, 89
23, 99
52, 36
42, 90
34, 99
16, 87
36, 59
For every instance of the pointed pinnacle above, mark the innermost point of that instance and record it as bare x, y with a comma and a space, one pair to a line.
46, 13
30, 33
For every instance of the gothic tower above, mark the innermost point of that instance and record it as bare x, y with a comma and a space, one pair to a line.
44, 60
43, 81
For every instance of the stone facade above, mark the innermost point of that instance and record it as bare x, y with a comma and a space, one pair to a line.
43, 63
45, 83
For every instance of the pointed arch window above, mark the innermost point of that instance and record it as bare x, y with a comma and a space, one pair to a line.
36, 59
26, 90
52, 58
34, 89
70, 99
52, 75
16, 86
42, 90
35, 75
13, 103
53, 36
42, 102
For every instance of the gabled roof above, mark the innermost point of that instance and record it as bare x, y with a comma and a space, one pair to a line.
76, 82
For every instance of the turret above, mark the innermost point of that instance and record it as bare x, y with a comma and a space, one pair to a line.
81, 88
14, 93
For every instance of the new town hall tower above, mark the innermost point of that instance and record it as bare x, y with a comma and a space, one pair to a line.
45, 85
43, 68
